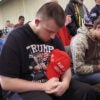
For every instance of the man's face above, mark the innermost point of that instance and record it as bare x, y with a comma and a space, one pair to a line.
97, 32
97, 2
21, 21
47, 29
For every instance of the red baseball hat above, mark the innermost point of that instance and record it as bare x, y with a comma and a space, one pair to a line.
59, 63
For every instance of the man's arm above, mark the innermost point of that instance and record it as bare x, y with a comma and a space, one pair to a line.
19, 85
66, 78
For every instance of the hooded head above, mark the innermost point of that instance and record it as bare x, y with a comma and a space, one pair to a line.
94, 29
87, 22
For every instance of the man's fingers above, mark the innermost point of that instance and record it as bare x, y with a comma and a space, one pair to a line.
55, 85
53, 91
56, 79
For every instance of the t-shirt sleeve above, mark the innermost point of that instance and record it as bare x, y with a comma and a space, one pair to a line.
58, 44
9, 58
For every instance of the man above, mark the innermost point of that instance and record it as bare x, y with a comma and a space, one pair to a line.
7, 28
63, 33
21, 21
77, 10
85, 48
95, 12
21, 73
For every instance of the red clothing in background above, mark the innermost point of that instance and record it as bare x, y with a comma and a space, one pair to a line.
17, 25
64, 36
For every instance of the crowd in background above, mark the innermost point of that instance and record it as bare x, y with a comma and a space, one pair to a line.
8, 28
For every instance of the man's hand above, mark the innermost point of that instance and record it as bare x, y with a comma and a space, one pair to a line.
60, 89
51, 84
68, 19
54, 86
62, 86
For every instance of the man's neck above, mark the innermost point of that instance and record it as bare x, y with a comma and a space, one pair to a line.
32, 26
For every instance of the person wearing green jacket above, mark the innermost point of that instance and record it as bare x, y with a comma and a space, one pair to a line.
77, 10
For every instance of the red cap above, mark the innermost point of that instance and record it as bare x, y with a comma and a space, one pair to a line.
59, 63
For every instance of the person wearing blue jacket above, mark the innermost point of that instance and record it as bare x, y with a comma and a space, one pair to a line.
1, 39
95, 12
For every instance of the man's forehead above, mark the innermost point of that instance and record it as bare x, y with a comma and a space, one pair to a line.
52, 29
51, 25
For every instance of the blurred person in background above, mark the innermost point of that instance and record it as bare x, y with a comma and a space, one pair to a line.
85, 49
8, 28
77, 10
95, 12
2, 36
21, 20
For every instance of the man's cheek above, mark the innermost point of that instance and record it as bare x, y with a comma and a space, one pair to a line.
98, 36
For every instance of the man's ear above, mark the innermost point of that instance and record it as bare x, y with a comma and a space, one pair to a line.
37, 21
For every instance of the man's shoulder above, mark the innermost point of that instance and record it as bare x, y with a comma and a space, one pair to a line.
95, 8
18, 31
17, 35
16, 25
79, 38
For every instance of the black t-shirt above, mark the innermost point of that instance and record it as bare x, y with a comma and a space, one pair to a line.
24, 54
